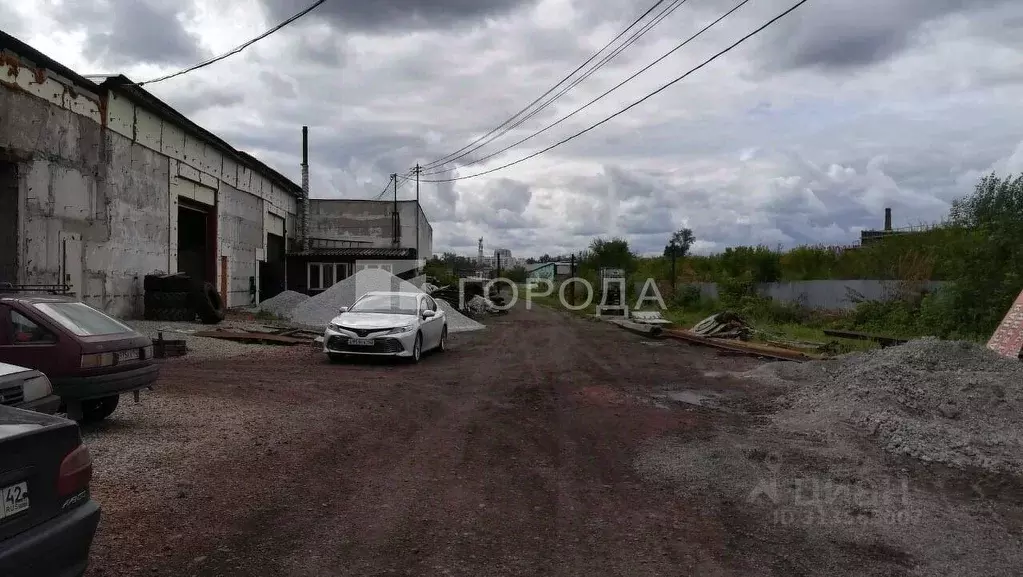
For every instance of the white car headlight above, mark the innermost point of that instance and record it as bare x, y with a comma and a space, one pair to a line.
37, 387
399, 330
334, 327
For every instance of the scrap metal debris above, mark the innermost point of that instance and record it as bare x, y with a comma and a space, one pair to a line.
723, 325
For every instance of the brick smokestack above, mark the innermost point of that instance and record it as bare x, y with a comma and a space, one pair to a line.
887, 219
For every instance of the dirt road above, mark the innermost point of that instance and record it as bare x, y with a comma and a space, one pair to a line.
524, 450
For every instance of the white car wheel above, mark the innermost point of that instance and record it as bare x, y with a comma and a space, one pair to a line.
443, 345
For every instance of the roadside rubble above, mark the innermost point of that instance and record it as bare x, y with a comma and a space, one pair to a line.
457, 322
283, 304
948, 402
198, 347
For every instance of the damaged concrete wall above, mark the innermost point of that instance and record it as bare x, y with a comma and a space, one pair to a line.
369, 221
99, 205
352, 220
241, 239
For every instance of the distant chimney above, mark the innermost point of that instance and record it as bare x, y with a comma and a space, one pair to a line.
887, 219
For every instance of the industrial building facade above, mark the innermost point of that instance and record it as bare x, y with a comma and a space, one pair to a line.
102, 184
345, 235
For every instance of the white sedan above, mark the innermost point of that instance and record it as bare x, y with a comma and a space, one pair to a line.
27, 389
399, 324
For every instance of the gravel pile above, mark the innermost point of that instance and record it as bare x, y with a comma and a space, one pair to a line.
947, 402
320, 309
283, 304
457, 322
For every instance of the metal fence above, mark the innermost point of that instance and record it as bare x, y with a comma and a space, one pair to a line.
824, 294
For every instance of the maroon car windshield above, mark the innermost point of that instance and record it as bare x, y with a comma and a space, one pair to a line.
82, 320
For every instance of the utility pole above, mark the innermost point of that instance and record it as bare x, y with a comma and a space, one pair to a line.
304, 217
395, 223
673, 251
419, 257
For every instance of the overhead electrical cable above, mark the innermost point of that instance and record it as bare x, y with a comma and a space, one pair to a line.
634, 104
608, 91
237, 49
446, 158
668, 10
389, 188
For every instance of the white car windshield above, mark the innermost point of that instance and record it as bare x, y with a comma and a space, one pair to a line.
394, 304
82, 320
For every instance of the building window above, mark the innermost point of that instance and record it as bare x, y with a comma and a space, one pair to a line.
323, 275
381, 266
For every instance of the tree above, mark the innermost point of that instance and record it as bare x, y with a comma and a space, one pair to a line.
610, 253
516, 274
546, 258
988, 263
530, 260
681, 240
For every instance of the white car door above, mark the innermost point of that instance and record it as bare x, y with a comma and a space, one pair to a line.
431, 326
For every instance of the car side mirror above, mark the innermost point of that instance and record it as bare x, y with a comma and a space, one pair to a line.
429, 314
342, 310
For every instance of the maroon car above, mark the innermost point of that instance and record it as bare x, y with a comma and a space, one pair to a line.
89, 357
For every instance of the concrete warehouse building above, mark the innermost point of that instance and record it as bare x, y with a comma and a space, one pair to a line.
102, 183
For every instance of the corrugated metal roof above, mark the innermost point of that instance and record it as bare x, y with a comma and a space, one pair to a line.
351, 252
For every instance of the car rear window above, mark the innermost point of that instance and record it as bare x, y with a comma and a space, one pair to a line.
82, 320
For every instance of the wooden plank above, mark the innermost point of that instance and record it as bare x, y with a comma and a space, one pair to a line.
1008, 338
742, 347
261, 338
881, 339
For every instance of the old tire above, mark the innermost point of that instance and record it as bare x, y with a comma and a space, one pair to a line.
208, 304
179, 282
95, 410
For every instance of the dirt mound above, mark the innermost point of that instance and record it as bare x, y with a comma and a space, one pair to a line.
947, 402
283, 304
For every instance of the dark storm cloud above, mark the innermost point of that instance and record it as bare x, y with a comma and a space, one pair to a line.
391, 15
846, 34
123, 33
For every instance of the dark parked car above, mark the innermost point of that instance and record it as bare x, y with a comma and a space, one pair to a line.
89, 357
47, 518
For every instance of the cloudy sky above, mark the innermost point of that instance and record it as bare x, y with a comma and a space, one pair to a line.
801, 135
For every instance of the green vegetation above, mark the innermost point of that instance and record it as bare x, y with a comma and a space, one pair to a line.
978, 250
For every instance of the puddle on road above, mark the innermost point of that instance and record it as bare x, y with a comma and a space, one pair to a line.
707, 399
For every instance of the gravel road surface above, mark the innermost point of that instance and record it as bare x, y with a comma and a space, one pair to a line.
544, 445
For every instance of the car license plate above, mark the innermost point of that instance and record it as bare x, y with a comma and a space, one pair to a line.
128, 355
14, 499
361, 342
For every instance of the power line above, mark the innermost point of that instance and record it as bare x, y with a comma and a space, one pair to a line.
636, 103
443, 159
675, 5
389, 187
237, 49
609, 91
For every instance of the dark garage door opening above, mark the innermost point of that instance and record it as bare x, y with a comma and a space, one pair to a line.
9, 222
271, 272
194, 258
